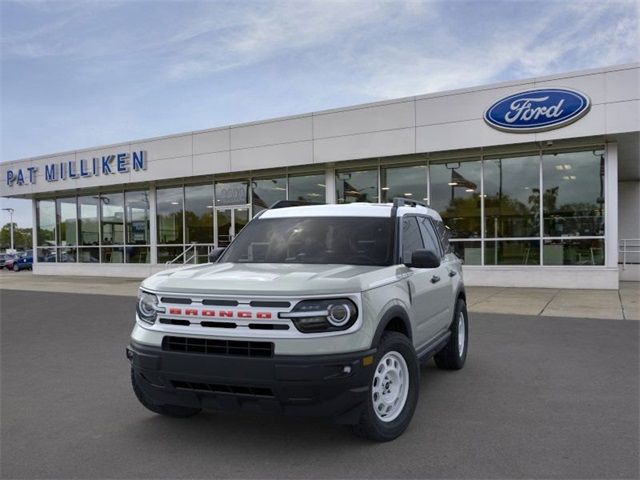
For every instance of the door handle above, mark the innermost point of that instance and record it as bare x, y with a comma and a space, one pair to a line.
452, 273
435, 279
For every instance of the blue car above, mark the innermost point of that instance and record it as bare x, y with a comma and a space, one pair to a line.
23, 262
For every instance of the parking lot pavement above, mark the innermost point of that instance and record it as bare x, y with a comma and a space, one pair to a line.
539, 398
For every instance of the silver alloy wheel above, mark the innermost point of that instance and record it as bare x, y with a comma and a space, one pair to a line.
390, 386
462, 332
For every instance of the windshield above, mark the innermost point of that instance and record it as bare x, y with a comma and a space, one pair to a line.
337, 240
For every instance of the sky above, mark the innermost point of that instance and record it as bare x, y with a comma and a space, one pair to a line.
78, 74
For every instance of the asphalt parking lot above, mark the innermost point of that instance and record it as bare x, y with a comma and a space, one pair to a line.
540, 397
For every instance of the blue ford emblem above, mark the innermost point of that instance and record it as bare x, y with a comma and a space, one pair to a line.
537, 110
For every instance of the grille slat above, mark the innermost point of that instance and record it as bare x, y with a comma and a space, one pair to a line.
216, 388
218, 347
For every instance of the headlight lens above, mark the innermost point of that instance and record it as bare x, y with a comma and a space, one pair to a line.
330, 315
147, 307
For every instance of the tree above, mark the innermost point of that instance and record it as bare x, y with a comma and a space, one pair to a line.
21, 237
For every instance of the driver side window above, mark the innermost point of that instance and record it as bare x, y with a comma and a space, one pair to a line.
411, 238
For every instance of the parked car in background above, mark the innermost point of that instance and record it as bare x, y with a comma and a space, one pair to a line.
23, 262
3, 258
8, 260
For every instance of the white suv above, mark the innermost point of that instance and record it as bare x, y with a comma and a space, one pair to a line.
318, 309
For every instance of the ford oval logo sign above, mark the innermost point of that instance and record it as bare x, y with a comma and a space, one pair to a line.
537, 110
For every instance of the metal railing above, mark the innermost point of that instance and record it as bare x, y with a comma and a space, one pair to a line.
191, 249
627, 247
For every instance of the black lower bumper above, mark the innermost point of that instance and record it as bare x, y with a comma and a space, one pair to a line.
334, 386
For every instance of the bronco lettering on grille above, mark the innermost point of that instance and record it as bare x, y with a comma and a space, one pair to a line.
244, 314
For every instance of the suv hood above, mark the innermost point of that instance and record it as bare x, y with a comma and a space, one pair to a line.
269, 279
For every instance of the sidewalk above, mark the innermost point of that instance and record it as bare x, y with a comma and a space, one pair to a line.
623, 304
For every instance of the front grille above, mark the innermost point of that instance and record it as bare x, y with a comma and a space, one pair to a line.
215, 388
218, 347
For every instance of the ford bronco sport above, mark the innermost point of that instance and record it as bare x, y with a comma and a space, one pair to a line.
318, 309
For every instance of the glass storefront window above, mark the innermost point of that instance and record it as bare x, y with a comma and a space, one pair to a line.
136, 206
46, 222
67, 218
469, 252
573, 199
408, 182
47, 255
198, 213
512, 252
359, 186
137, 254
169, 206
112, 218
266, 192
88, 254
112, 254
232, 193
573, 251
512, 197
166, 254
88, 221
307, 188
455, 194
67, 255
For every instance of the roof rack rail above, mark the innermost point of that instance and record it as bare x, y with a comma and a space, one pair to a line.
402, 202
292, 203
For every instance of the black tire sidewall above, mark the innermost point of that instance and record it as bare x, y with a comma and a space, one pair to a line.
461, 307
385, 431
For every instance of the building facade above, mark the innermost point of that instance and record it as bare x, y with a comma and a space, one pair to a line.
538, 180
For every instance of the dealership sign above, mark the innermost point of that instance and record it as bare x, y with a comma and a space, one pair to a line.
537, 110
86, 167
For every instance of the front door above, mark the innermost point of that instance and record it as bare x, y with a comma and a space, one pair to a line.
229, 222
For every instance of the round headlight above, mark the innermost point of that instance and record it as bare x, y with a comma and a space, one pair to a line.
339, 314
147, 307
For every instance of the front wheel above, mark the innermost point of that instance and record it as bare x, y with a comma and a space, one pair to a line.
454, 354
168, 410
394, 390
16, 268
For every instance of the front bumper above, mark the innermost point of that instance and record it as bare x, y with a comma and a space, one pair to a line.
334, 386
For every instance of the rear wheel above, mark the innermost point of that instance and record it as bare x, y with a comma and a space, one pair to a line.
16, 268
454, 354
168, 410
394, 390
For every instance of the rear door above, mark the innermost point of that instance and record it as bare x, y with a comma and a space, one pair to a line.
426, 285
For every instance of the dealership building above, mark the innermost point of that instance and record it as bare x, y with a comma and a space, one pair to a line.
538, 180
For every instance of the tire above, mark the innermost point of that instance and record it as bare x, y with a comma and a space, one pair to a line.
16, 268
454, 354
397, 353
168, 410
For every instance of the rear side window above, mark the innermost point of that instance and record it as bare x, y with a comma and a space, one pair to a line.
430, 237
411, 238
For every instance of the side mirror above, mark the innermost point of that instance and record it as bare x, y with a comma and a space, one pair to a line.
215, 254
424, 259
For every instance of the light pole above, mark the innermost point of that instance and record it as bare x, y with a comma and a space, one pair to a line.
10, 210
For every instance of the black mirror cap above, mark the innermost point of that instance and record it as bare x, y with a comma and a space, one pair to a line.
215, 254
424, 259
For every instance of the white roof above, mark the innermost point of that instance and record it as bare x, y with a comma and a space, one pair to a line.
347, 210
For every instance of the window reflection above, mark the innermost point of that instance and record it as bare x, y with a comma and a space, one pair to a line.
266, 192
360, 186
169, 206
46, 222
455, 194
573, 251
112, 218
307, 188
67, 217
137, 217
512, 252
573, 193
469, 252
512, 197
408, 182
232, 193
198, 213
88, 221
